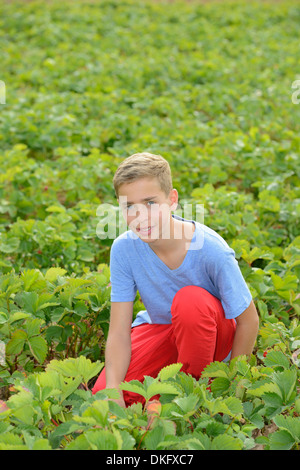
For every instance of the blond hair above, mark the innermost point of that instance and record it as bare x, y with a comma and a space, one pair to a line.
144, 165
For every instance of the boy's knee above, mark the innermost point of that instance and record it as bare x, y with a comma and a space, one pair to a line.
191, 299
189, 295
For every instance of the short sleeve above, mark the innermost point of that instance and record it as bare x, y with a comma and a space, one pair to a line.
234, 293
123, 286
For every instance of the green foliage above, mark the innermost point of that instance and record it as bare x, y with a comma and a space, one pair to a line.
214, 98
48, 410
52, 315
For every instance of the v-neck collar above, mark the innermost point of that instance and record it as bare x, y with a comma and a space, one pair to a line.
157, 259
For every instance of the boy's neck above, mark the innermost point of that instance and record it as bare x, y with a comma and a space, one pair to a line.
177, 236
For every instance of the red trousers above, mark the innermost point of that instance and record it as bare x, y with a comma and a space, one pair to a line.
198, 335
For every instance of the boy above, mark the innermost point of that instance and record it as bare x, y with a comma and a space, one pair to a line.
198, 306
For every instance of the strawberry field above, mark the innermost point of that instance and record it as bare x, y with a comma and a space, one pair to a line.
214, 87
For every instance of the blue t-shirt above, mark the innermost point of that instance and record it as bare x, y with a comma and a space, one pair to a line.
209, 263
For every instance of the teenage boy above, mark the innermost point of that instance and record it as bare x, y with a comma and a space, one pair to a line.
198, 306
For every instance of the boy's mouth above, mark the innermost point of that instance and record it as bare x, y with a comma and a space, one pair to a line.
145, 230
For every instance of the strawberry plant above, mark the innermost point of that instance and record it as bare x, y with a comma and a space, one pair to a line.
189, 414
49, 315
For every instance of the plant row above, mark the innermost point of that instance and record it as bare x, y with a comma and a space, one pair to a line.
229, 408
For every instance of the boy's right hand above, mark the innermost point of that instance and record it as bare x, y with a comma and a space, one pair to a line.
120, 400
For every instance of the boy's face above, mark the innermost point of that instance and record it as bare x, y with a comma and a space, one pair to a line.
144, 205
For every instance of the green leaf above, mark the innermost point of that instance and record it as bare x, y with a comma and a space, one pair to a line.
154, 437
226, 442
272, 400
290, 424
254, 414
284, 285
33, 327
200, 442
256, 253
16, 316
230, 405
213, 428
39, 348
74, 367
41, 444
128, 441
220, 385
9, 245
101, 440
216, 369
276, 358
31, 279
98, 411
169, 371
53, 273
134, 386
22, 404
55, 208
159, 388
43, 301
3, 318
54, 332
117, 410
16, 344
281, 440
187, 404
64, 429
30, 300
241, 365
80, 443
234, 406
262, 386
269, 201
69, 388
182, 443
10, 438
286, 382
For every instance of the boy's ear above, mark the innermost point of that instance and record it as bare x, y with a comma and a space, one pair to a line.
174, 195
174, 206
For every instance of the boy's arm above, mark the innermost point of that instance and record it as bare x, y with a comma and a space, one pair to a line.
118, 345
246, 331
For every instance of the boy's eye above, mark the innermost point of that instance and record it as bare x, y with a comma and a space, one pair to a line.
130, 205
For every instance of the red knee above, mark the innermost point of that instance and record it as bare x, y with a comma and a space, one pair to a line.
191, 299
